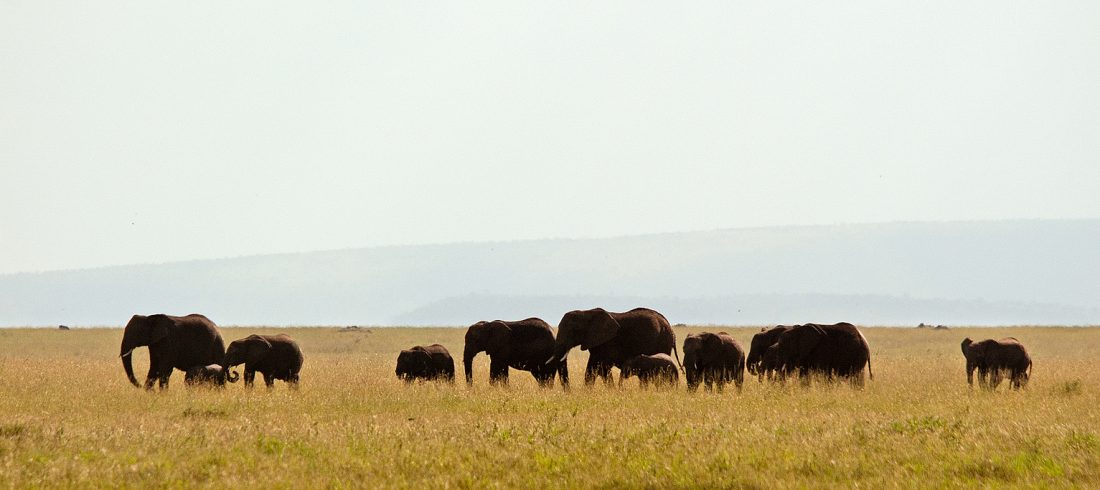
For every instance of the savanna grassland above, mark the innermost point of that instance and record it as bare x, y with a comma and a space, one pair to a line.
70, 419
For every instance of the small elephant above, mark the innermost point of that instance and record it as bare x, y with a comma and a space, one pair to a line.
657, 368
527, 345
761, 342
713, 359
211, 374
993, 358
274, 356
431, 362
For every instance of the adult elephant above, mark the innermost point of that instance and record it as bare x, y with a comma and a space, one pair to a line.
995, 357
761, 342
713, 358
837, 350
273, 356
612, 338
175, 342
526, 345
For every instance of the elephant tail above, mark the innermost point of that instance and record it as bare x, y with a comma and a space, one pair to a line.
678, 363
869, 372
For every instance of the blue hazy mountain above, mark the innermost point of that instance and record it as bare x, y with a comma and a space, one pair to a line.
1004, 272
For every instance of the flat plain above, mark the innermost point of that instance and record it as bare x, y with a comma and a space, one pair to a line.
69, 418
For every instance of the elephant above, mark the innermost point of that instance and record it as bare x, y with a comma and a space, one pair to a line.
658, 368
838, 350
274, 356
992, 358
431, 362
612, 338
761, 342
211, 374
526, 345
713, 359
175, 342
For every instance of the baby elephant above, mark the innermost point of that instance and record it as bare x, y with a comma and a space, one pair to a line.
993, 358
713, 358
212, 374
426, 363
658, 368
274, 356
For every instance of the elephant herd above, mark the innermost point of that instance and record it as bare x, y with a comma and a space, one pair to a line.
639, 342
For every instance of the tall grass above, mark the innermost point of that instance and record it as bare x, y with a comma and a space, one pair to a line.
70, 418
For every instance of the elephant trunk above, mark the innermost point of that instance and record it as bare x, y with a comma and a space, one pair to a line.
128, 365
691, 374
468, 365
230, 376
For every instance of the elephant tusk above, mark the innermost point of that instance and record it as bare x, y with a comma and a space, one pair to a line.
131, 351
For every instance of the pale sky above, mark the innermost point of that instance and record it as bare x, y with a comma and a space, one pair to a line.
142, 131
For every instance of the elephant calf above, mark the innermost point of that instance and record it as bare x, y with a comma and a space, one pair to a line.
713, 359
274, 356
211, 374
431, 362
993, 358
658, 368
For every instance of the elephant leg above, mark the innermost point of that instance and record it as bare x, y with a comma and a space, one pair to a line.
269, 380
995, 379
151, 376
590, 372
249, 377
563, 373
498, 372
292, 380
604, 371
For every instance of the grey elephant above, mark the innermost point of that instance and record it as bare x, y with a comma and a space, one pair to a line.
273, 356
713, 359
612, 338
760, 344
211, 374
432, 362
830, 351
175, 342
527, 345
994, 358
658, 369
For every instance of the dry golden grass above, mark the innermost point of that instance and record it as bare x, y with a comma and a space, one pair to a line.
70, 419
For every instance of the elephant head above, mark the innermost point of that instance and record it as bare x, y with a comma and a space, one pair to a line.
493, 338
761, 342
141, 331
412, 363
697, 348
587, 328
249, 350
975, 359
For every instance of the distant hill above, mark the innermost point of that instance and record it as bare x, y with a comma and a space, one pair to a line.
1012, 272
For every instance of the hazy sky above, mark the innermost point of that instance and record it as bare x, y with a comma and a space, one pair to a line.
153, 131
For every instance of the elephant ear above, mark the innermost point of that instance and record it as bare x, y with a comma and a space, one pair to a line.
498, 335
602, 327
256, 347
691, 343
810, 335
159, 326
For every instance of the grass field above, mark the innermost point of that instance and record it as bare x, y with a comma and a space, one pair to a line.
70, 419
